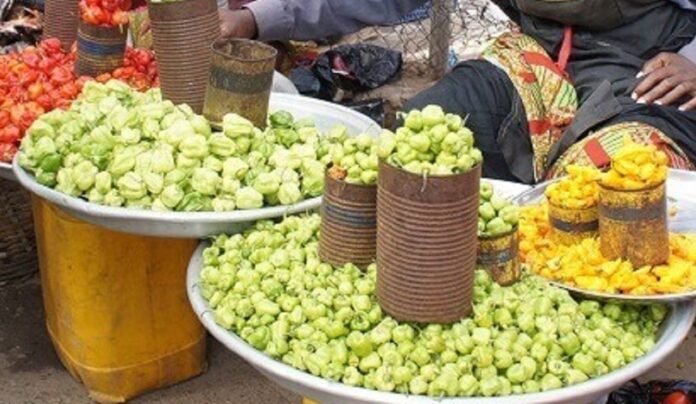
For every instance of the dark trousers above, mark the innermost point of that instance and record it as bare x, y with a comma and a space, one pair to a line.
484, 95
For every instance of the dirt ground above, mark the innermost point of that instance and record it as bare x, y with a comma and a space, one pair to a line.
30, 371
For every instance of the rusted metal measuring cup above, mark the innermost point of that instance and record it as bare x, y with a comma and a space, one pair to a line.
241, 76
100, 49
500, 257
633, 225
426, 244
348, 223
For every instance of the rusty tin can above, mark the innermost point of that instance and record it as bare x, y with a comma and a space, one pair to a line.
426, 244
348, 223
60, 21
571, 226
182, 32
633, 225
100, 49
241, 77
500, 257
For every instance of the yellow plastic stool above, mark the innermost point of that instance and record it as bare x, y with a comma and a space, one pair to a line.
116, 306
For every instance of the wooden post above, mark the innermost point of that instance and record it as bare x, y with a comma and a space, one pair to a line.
440, 33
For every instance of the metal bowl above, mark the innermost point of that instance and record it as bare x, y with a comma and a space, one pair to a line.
6, 171
203, 224
674, 329
507, 189
681, 195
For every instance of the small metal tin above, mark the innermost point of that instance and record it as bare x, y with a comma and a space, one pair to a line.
100, 49
182, 32
570, 226
633, 225
240, 80
500, 257
348, 223
60, 21
426, 244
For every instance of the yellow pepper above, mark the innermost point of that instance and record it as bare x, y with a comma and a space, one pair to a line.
583, 265
636, 166
576, 191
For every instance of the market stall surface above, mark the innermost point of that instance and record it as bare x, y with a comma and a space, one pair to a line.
32, 373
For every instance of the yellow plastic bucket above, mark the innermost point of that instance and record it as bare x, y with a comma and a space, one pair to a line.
116, 306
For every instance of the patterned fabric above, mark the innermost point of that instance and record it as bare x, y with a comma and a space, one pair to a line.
140, 28
550, 101
597, 148
548, 96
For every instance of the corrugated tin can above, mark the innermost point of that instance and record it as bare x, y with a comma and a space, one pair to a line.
500, 257
100, 49
240, 80
570, 226
348, 223
182, 32
633, 225
426, 244
60, 21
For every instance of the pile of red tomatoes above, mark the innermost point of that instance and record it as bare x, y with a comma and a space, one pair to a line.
42, 78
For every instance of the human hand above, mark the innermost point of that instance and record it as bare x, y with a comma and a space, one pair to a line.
667, 79
238, 23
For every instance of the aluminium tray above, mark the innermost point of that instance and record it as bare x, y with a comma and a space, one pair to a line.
681, 197
675, 328
203, 224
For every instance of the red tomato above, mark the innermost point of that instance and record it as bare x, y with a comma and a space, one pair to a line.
45, 101
80, 82
93, 15
4, 118
678, 397
30, 76
103, 78
31, 58
51, 46
63, 103
144, 58
46, 64
35, 90
110, 5
119, 17
16, 112
61, 75
69, 90
7, 151
10, 134
141, 83
55, 94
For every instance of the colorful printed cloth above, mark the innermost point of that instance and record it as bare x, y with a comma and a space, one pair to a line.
140, 28
548, 96
597, 148
550, 101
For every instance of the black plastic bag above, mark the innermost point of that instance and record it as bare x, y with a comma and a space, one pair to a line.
358, 67
373, 108
655, 392
307, 83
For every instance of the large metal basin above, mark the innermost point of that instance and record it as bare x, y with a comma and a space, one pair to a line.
203, 224
674, 329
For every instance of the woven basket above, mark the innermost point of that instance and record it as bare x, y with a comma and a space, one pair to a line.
17, 245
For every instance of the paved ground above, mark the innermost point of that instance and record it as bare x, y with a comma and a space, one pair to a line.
30, 371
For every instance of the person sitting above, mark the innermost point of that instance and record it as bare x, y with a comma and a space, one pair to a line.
579, 77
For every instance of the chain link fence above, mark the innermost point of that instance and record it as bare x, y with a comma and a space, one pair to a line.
432, 39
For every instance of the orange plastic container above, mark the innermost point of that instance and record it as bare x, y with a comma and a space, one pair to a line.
116, 306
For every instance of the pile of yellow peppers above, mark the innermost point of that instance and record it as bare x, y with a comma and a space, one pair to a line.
576, 191
583, 265
636, 167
